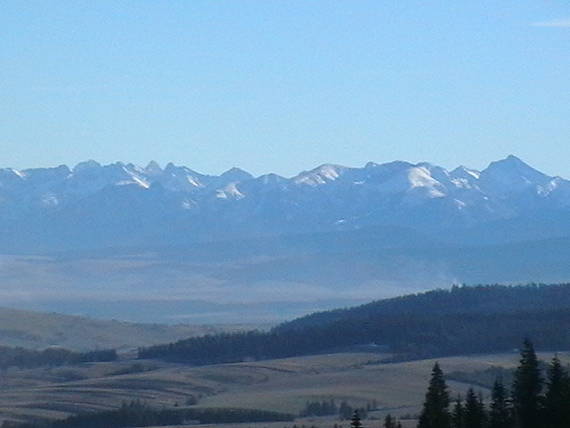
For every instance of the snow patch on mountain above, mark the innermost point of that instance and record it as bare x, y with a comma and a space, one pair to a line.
321, 175
229, 192
17, 172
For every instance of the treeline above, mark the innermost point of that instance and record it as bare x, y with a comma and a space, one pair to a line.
484, 378
476, 299
329, 407
138, 414
29, 358
462, 320
535, 399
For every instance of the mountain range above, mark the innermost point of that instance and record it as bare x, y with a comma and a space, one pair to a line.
124, 205
173, 245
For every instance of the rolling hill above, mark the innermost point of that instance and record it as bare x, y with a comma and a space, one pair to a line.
38, 330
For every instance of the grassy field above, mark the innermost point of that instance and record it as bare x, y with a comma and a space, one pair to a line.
282, 385
38, 330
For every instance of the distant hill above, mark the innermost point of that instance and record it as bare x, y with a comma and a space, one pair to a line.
37, 330
463, 320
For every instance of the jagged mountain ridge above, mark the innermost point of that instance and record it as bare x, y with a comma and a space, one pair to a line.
93, 205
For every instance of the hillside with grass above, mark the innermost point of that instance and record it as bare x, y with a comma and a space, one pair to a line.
39, 330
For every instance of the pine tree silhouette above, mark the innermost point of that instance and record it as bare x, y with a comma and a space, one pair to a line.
499, 412
355, 421
474, 411
556, 399
527, 386
458, 414
389, 422
435, 411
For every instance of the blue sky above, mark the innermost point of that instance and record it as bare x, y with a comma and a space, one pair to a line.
284, 85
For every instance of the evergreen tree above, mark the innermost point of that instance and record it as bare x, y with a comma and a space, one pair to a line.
482, 410
435, 411
527, 386
458, 414
556, 400
474, 410
499, 414
389, 422
355, 421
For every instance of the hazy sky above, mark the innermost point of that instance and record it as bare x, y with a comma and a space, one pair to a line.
284, 85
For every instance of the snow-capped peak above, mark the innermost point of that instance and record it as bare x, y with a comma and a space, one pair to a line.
465, 173
321, 175
511, 175
395, 192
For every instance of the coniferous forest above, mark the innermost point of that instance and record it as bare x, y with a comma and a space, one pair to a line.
463, 320
536, 399
50, 357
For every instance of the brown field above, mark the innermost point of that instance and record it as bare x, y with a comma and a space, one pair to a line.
281, 385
